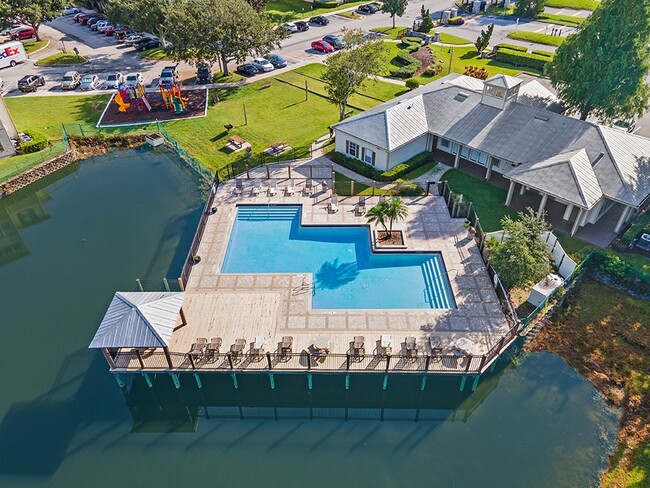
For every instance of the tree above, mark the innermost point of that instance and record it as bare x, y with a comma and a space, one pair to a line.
394, 8
348, 69
427, 22
377, 215
396, 210
484, 38
601, 70
529, 8
230, 30
522, 258
258, 5
152, 17
30, 12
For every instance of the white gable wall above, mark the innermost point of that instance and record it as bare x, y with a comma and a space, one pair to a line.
343, 140
407, 151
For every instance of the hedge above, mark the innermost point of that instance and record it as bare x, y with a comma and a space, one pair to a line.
548, 54
512, 47
412, 83
410, 44
411, 65
391, 175
321, 4
518, 58
38, 142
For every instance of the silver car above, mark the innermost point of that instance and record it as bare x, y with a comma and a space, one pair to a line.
129, 41
113, 80
133, 79
71, 80
89, 82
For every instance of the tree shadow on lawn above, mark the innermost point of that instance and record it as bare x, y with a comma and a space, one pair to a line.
293, 104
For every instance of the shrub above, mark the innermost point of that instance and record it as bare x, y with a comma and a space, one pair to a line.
543, 53
38, 142
321, 4
410, 44
411, 65
408, 189
404, 57
355, 165
391, 175
476, 72
412, 83
512, 47
456, 21
433, 70
517, 58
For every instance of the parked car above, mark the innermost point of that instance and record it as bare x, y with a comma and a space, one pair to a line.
203, 73
97, 26
113, 80
132, 39
627, 125
169, 75
302, 26
71, 80
320, 20
76, 17
144, 44
290, 26
262, 64
121, 36
368, 8
23, 33
105, 27
83, 19
111, 30
247, 69
69, 10
93, 20
29, 83
10, 28
89, 82
133, 79
335, 41
276, 60
322, 46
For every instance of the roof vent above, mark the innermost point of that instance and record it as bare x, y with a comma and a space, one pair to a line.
598, 158
461, 97
542, 118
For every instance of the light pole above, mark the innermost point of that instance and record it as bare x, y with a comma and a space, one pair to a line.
451, 56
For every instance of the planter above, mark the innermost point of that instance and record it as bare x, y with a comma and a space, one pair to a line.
382, 241
154, 140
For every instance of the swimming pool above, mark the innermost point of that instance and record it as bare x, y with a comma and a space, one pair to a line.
347, 274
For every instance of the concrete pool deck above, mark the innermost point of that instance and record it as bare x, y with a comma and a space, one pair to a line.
271, 306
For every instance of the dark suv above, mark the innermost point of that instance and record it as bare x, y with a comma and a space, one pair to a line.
147, 43
320, 19
203, 74
30, 83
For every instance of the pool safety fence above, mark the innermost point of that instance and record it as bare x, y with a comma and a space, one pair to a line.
243, 166
156, 360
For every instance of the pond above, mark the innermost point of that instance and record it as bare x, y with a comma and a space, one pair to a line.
70, 241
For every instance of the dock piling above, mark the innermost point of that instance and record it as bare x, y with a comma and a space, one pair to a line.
147, 378
475, 384
234, 380
176, 380
272, 381
423, 384
310, 383
385, 385
463, 379
120, 381
347, 381
198, 380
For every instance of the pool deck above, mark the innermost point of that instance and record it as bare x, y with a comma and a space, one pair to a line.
271, 306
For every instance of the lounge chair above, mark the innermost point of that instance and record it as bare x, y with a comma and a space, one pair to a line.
291, 188
257, 187
333, 205
285, 346
411, 347
212, 348
273, 187
309, 187
197, 349
257, 347
361, 206
385, 345
237, 348
239, 186
358, 349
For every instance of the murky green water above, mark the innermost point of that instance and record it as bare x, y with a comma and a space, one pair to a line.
69, 243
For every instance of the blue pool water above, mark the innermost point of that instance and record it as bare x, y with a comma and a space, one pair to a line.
347, 275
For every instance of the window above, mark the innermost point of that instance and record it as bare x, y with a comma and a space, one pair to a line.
368, 155
464, 152
454, 148
352, 149
496, 162
444, 143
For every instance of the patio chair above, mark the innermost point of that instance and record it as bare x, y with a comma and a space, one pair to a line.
385, 345
411, 347
382, 198
333, 205
197, 349
257, 187
237, 348
212, 348
285, 346
291, 188
309, 187
358, 349
273, 187
361, 206
239, 186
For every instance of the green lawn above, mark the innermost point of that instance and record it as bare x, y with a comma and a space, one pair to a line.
157, 53
392, 48
61, 58
575, 4
15, 165
537, 37
452, 39
31, 46
351, 15
344, 187
389, 32
231, 78
496, 10
417, 172
287, 10
560, 19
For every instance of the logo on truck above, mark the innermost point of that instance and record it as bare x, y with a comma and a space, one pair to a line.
9, 51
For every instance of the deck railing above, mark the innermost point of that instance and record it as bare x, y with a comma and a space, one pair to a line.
305, 361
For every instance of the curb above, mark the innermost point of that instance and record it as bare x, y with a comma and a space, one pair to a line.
40, 49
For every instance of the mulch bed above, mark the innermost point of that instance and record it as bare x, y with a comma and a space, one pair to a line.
426, 57
194, 107
396, 238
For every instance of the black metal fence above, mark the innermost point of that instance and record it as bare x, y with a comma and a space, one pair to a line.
246, 163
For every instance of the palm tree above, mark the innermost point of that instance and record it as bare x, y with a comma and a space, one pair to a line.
378, 214
396, 210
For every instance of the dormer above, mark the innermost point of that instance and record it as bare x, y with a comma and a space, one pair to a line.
499, 90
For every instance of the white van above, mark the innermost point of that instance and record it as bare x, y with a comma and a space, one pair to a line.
12, 53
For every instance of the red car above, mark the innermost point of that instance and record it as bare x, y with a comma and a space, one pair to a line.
111, 30
23, 33
322, 46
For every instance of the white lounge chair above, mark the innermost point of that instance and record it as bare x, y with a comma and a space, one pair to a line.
291, 188
257, 187
273, 187
333, 206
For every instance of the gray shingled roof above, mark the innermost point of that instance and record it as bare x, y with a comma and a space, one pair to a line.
521, 133
139, 319
567, 176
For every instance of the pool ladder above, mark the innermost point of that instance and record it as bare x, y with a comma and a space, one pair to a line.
304, 287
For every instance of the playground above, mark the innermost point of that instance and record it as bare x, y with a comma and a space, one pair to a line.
135, 106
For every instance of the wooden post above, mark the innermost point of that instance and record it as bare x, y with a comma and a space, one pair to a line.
168, 357
347, 381
268, 359
177, 382
166, 283
182, 314
423, 383
245, 116
308, 361
229, 355
289, 168
120, 381
426, 364
109, 358
385, 385
352, 187
306, 90
469, 362
462, 382
234, 380
189, 356
180, 284
310, 383
387, 362
311, 171
272, 381
139, 356
347, 362
268, 173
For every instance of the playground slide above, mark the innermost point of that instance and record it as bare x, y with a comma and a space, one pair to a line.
123, 107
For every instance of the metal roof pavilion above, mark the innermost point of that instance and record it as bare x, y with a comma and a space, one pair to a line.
139, 319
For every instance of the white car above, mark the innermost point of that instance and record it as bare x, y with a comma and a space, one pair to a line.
69, 10
290, 26
89, 82
129, 41
262, 64
113, 80
133, 79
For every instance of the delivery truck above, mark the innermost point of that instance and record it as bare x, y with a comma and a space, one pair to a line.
12, 53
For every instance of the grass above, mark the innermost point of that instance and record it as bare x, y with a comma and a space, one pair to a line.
537, 38
417, 172
233, 77
31, 46
344, 186
61, 58
574, 4
389, 32
452, 39
157, 53
495, 10
14, 165
560, 19
350, 15
287, 10
604, 334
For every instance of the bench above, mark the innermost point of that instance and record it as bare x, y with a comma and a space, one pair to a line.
266, 85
